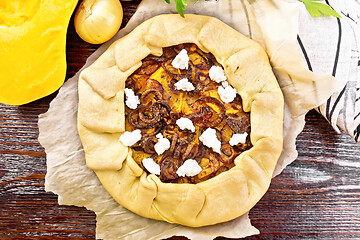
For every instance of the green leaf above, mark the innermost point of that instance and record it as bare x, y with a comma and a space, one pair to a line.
180, 6
317, 9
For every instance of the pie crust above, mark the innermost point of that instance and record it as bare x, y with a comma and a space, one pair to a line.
101, 121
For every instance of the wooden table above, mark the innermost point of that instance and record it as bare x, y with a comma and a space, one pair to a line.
316, 197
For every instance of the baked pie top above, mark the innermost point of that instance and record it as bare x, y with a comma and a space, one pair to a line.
165, 100
101, 122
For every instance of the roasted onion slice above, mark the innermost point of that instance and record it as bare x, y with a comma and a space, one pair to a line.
148, 144
226, 133
204, 64
134, 119
154, 84
178, 150
190, 151
239, 124
148, 115
201, 77
174, 140
212, 167
172, 118
148, 67
201, 114
162, 109
169, 166
228, 154
157, 95
153, 114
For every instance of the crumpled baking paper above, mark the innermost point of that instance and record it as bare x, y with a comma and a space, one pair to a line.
274, 24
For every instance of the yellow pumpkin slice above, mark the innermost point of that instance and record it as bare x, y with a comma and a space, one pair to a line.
32, 48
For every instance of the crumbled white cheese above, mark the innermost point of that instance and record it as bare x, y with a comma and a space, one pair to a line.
132, 101
210, 140
184, 85
181, 60
189, 168
217, 74
227, 94
238, 138
224, 84
185, 123
151, 166
130, 138
162, 145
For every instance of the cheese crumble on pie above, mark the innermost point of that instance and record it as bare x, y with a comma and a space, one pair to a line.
190, 108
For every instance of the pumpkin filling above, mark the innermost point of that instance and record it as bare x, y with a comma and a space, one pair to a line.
189, 123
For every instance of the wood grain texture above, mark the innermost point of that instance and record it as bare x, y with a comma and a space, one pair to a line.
316, 197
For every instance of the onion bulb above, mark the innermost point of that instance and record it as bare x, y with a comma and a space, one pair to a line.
97, 21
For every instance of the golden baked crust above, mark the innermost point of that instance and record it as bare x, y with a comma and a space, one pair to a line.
101, 121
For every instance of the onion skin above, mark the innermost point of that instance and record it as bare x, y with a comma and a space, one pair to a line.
97, 21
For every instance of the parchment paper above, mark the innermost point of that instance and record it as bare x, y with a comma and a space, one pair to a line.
274, 25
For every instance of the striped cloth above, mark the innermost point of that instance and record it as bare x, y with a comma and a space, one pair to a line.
332, 46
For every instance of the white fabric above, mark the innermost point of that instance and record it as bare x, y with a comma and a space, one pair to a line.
332, 46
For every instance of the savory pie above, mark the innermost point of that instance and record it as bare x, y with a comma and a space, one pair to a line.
181, 120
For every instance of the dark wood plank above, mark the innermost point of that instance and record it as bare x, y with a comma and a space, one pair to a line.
316, 197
